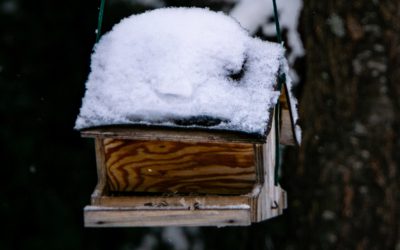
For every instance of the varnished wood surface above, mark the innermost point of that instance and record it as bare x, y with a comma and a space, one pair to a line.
179, 167
101, 187
260, 201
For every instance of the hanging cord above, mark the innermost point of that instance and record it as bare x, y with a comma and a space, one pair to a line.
281, 81
277, 25
100, 20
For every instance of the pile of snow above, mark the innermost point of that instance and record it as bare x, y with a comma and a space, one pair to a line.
253, 15
175, 64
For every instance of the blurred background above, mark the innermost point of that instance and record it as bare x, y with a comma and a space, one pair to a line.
342, 183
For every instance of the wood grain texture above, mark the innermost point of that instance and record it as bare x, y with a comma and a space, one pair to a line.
283, 98
183, 183
101, 187
263, 202
179, 167
270, 199
127, 217
286, 132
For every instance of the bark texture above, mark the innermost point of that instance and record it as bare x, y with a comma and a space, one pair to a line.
346, 192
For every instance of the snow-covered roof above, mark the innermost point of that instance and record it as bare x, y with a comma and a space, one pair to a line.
182, 67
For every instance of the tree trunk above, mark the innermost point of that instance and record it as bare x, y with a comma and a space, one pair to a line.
345, 189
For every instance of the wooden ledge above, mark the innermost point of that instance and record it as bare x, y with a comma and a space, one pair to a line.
126, 217
140, 132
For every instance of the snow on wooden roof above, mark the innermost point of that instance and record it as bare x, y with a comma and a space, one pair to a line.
182, 67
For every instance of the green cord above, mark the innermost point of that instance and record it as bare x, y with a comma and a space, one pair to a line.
277, 26
100, 20
281, 81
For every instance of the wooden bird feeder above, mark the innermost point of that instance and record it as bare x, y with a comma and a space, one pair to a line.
160, 176
195, 172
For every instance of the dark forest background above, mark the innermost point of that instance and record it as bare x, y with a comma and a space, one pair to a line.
343, 182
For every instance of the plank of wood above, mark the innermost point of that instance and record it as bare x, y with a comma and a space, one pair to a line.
101, 187
179, 167
137, 132
287, 121
259, 162
258, 153
268, 202
286, 131
283, 98
271, 198
96, 216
